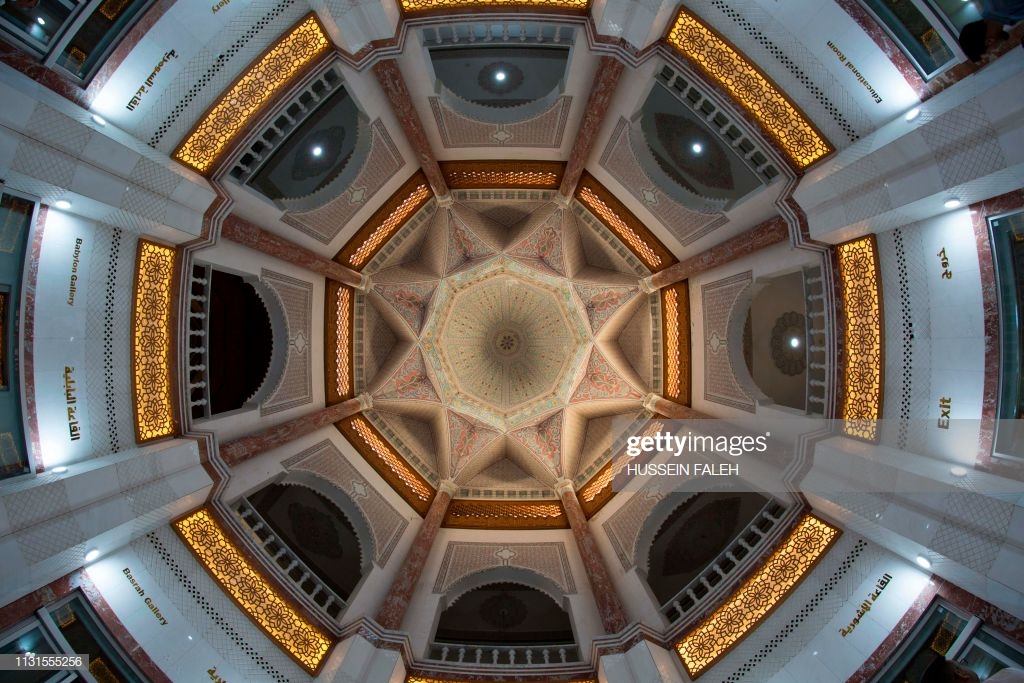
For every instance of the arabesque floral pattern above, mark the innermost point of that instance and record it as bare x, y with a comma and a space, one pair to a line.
780, 119
258, 598
807, 543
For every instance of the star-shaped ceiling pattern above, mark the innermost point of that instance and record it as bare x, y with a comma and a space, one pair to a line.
499, 352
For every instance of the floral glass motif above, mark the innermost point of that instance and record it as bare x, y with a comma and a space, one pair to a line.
243, 582
151, 341
862, 309
779, 118
758, 597
211, 137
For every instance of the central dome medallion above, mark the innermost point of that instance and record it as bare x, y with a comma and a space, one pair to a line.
508, 339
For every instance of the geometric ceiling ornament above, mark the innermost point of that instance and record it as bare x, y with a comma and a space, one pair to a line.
467, 437
465, 249
543, 248
410, 382
544, 440
779, 118
494, 342
410, 299
601, 301
601, 382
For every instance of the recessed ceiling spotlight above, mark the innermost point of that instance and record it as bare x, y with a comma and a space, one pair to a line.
697, 148
499, 76
62, 204
923, 562
794, 342
912, 114
958, 471
91, 554
41, 21
99, 120
951, 203
59, 470
317, 151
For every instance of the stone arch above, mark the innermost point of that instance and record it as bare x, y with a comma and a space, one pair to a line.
341, 500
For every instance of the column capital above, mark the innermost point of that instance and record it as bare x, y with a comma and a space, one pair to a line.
563, 486
444, 200
448, 486
647, 285
563, 200
365, 401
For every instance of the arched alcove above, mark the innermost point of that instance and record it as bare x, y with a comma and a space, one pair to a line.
316, 530
506, 614
242, 375
685, 534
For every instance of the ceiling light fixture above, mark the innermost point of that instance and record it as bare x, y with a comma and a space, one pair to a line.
697, 148
62, 204
499, 76
99, 120
794, 342
951, 203
923, 562
958, 471
318, 151
42, 22
59, 470
912, 114
91, 554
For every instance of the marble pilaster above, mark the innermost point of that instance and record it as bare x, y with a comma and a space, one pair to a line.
770, 232
253, 236
608, 72
246, 447
396, 600
613, 616
1005, 203
393, 83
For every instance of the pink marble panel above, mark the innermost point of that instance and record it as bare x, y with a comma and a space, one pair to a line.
253, 236
770, 232
990, 305
397, 599
28, 374
246, 447
613, 617
607, 79
24, 607
393, 83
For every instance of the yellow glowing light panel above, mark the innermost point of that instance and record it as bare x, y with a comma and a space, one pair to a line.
301, 639
210, 138
756, 599
151, 341
389, 226
392, 461
782, 121
344, 343
671, 323
424, 5
606, 475
619, 227
862, 308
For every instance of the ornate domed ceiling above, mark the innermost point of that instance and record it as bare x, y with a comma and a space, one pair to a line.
499, 339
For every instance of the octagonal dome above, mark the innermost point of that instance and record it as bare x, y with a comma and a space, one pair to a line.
500, 339
507, 341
